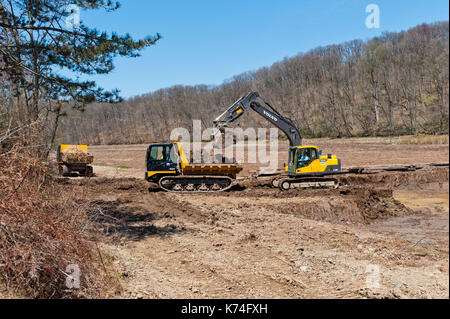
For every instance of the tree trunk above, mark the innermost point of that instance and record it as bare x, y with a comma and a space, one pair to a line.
55, 128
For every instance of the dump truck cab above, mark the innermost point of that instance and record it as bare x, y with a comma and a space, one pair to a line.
308, 160
162, 160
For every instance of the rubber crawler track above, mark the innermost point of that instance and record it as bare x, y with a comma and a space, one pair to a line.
197, 181
305, 180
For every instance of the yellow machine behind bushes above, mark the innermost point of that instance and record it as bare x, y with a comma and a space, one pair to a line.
74, 158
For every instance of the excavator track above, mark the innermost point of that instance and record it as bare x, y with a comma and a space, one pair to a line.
195, 184
304, 182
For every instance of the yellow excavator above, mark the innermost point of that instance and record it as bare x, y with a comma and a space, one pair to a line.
307, 167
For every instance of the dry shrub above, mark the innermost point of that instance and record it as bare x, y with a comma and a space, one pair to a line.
42, 231
424, 140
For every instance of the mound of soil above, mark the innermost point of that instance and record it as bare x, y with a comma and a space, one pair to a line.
348, 206
365, 199
398, 179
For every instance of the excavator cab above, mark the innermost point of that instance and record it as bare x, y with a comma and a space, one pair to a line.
308, 160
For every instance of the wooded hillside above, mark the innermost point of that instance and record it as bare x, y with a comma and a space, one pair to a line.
390, 85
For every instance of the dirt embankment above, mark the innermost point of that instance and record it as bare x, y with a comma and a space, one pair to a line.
416, 179
361, 199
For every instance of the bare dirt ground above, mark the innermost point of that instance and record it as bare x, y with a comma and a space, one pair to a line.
378, 236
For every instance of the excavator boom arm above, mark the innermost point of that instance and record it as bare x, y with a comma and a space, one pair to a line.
252, 101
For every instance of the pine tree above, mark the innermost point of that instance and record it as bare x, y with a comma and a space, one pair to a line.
42, 57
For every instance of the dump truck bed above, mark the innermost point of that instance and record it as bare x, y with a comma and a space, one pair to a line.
77, 158
74, 154
74, 158
212, 169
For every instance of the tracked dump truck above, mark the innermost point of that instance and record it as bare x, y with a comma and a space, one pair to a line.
169, 168
307, 167
74, 158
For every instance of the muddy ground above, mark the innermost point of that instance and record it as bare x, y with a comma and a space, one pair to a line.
377, 236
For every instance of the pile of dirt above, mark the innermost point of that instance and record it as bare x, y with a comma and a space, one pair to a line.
75, 155
398, 179
348, 206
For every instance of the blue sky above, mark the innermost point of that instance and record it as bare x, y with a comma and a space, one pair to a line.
209, 41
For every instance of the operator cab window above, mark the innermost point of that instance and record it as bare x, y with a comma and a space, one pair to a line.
292, 157
305, 156
314, 154
160, 153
